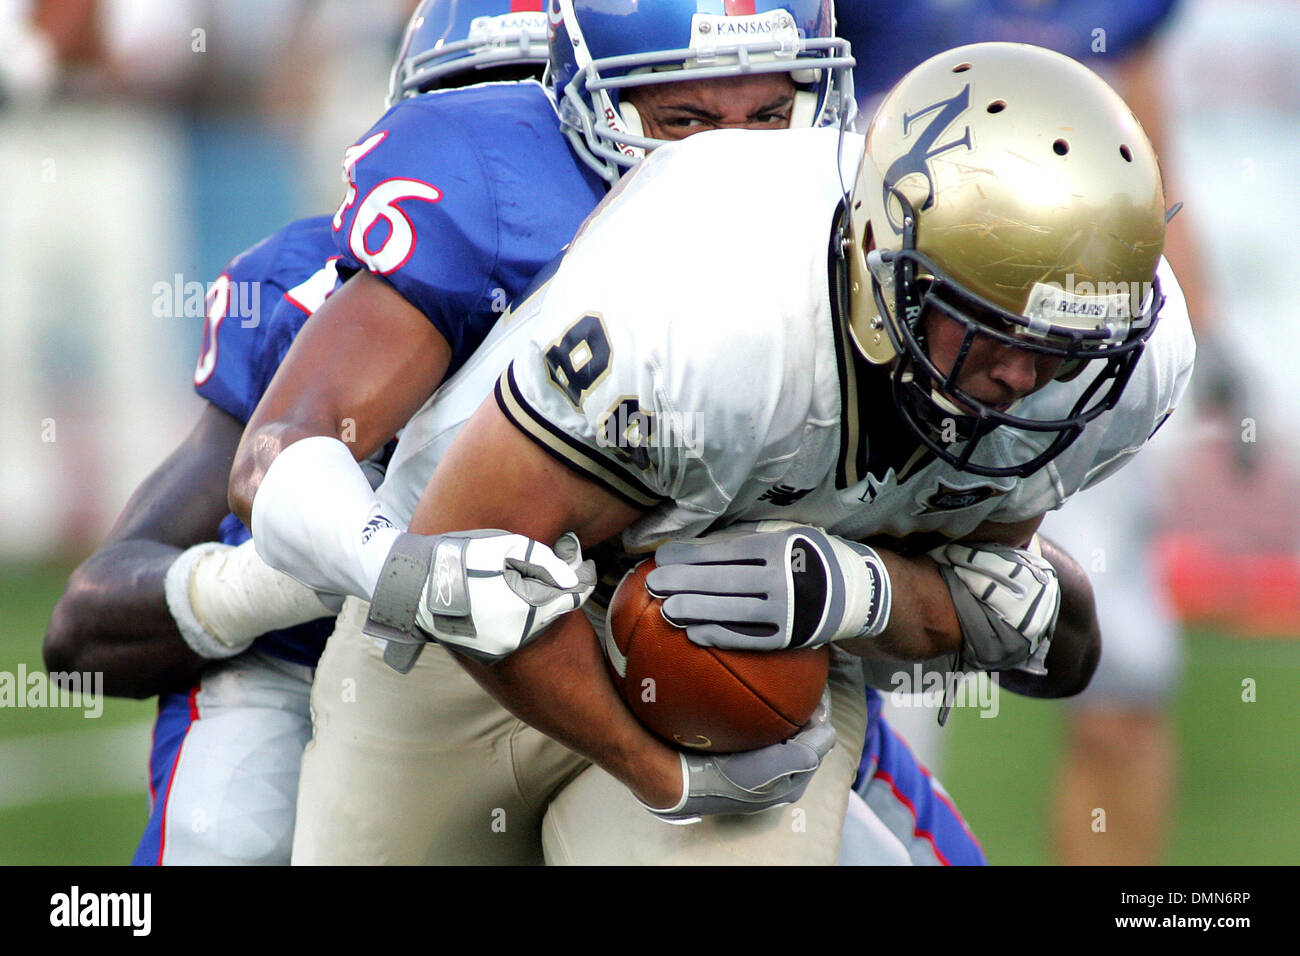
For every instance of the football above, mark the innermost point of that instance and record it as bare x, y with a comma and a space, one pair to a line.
705, 698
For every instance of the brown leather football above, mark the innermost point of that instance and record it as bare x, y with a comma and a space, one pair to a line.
706, 698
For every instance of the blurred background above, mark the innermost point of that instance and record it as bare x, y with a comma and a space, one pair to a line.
143, 143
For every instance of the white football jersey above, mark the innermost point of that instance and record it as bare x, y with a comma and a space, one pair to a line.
686, 356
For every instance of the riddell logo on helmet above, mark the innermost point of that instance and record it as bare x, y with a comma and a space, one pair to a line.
615, 122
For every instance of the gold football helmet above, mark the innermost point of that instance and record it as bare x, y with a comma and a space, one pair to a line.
1009, 187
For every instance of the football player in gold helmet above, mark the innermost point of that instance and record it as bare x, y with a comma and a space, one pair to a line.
990, 212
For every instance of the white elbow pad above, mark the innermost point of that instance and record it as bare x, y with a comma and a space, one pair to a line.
316, 519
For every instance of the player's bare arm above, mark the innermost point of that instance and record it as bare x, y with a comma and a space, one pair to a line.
164, 597
922, 626
495, 477
991, 598
358, 370
802, 587
112, 616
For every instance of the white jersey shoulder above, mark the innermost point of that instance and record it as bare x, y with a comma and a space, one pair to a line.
653, 357
686, 351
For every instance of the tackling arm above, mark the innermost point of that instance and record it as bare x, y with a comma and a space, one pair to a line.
113, 616
990, 597
790, 585
1076, 642
357, 371
1076, 638
923, 622
162, 597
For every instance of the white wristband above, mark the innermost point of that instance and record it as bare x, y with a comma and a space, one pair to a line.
868, 598
176, 587
238, 596
316, 519
224, 597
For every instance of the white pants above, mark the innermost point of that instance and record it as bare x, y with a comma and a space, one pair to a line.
427, 768
224, 766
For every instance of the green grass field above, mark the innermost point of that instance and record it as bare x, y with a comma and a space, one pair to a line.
72, 789
1239, 767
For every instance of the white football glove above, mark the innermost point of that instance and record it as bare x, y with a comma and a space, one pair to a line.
1007, 601
224, 597
487, 593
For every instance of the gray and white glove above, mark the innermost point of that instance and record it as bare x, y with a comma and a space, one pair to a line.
783, 585
756, 780
486, 593
1007, 602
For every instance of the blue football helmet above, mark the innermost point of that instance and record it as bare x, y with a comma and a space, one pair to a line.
458, 42
600, 47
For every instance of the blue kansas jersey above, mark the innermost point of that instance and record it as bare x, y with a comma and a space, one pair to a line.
889, 37
255, 308
235, 361
458, 198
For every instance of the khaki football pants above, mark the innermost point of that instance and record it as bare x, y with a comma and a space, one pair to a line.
426, 768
